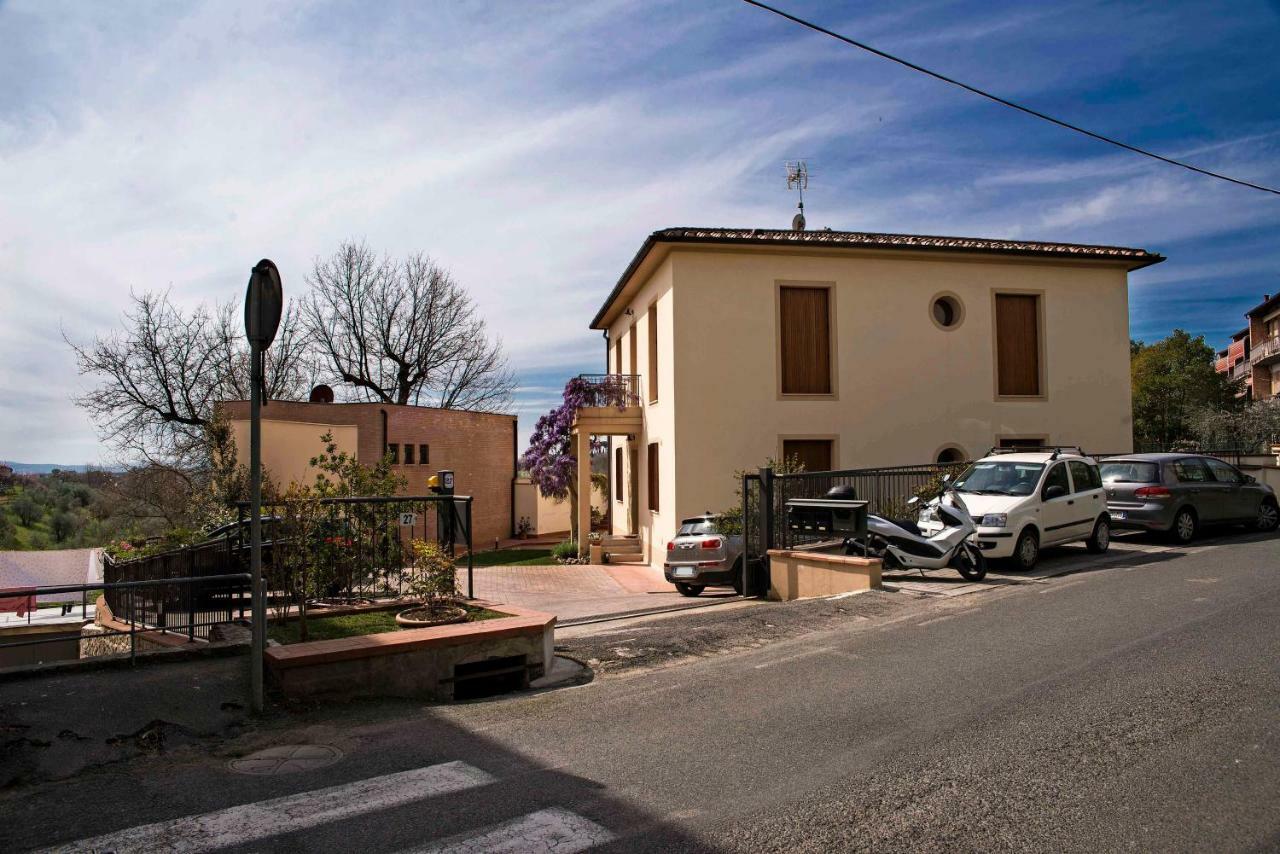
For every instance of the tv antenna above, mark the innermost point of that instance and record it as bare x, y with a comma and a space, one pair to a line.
798, 180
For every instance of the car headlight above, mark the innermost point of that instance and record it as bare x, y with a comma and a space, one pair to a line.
995, 520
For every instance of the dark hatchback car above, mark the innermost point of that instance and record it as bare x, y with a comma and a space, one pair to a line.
1180, 493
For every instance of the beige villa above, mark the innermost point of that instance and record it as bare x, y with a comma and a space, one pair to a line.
850, 350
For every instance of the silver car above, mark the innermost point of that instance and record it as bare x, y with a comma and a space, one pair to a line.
700, 557
1180, 493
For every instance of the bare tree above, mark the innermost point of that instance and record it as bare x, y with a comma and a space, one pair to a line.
403, 333
160, 376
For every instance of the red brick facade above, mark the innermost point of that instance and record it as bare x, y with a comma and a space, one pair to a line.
479, 447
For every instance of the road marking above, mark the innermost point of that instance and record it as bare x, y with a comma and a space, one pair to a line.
790, 658
553, 829
1205, 580
251, 822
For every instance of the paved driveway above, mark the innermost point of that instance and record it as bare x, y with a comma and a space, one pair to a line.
577, 592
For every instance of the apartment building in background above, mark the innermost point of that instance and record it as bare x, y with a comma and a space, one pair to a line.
1253, 357
849, 350
479, 447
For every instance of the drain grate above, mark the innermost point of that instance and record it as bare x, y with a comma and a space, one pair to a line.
286, 759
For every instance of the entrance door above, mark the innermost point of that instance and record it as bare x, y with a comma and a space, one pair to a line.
633, 491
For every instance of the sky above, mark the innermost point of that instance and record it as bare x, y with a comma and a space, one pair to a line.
530, 148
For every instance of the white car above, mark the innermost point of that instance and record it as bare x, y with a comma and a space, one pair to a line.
1025, 500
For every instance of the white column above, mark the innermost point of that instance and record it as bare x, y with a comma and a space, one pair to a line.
582, 450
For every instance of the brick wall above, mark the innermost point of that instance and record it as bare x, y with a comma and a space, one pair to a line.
479, 447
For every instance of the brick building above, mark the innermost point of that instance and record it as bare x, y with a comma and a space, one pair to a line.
479, 447
1253, 357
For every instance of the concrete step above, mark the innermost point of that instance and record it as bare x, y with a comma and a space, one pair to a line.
625, 557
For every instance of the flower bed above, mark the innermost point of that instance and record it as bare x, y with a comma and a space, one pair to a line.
435, 663
365, 622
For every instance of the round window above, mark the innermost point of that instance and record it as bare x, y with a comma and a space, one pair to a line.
950, 455
946, 311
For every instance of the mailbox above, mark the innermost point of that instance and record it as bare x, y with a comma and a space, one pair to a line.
827, 518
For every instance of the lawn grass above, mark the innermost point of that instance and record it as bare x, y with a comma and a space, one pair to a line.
352, 625
511, 557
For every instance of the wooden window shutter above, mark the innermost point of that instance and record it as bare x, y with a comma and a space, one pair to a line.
653, 476
617, 474
1018, 344
813, 454
653, 353
617, 356
805, 339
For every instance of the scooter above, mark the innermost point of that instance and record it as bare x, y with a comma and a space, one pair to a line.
902, 545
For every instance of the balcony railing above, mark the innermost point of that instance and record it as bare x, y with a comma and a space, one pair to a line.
1241, 370
1265, 350
610, 389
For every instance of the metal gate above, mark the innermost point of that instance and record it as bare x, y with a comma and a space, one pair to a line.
765, 496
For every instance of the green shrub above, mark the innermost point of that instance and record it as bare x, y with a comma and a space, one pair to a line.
433, 576
566, 549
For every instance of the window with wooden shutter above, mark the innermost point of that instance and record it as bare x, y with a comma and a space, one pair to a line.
617, 355
653, 354
653, 476
813, 454
617, 474
805, 339
1018, 345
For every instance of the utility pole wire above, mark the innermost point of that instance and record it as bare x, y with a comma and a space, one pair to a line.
1007, 103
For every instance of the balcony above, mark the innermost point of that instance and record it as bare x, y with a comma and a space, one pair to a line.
1265, 352
1241, 371
609, 404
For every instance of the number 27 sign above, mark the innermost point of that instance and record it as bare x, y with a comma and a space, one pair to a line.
408, 519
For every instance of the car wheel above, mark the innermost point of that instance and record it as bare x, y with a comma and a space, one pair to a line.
1268, 516
689, 589
1027, 552
1184, 526
1100, 539
737, 577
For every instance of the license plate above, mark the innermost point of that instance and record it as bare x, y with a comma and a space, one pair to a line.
683, 572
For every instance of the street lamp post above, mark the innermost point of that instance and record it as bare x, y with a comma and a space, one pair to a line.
263, 303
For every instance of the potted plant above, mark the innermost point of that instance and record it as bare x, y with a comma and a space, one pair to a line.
433, 579
595, 547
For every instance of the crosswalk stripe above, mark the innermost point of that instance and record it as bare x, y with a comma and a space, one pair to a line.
250, 822
548, 830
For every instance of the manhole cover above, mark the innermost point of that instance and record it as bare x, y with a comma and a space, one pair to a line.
286, 759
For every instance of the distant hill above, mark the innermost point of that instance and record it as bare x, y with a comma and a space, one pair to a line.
42, 468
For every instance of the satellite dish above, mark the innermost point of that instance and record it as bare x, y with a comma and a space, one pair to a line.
797, 222
322, 394
263, 304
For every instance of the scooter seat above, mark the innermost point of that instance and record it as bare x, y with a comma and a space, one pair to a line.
909, 526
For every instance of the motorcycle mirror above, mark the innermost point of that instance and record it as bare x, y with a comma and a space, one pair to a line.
946, 478
913, 500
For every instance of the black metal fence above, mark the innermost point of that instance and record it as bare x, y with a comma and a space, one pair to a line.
610, 389
141, 605
367, 541
196, 604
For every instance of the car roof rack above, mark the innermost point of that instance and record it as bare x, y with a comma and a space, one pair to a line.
1053, 450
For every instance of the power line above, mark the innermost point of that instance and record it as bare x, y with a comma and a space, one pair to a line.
1005, 102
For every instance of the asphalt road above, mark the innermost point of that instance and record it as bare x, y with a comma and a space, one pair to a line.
1135, 706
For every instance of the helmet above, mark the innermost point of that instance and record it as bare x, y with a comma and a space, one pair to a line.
844, 492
